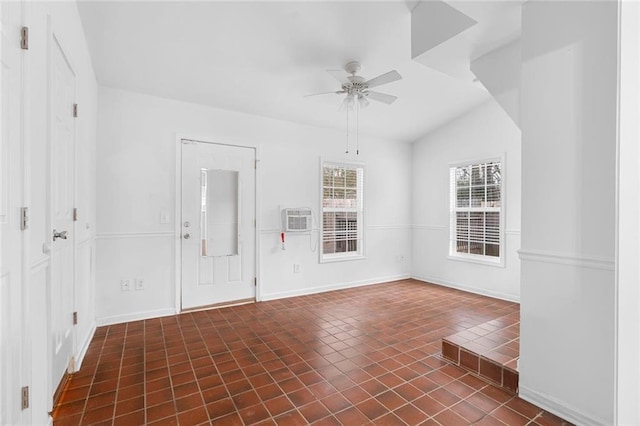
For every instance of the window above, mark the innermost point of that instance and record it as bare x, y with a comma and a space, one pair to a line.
476, 212
342, 211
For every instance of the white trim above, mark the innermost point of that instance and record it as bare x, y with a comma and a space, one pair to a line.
136, 316
387, 227
115, 235
177, 223
476, 161
292, 234
477, 258
26, 308
368, 228
512, 232
430, 227
85, 240
482, 292
342, 257
559, 408
85, 346
332, 287
220, 140
258, 222
569, 259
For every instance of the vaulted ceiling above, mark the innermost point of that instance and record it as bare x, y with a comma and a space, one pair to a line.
263, 57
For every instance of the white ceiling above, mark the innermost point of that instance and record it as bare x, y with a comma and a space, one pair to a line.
263, 57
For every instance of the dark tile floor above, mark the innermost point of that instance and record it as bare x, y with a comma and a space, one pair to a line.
369, 355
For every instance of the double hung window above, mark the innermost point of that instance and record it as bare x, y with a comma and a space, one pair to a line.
476, 211
342, 211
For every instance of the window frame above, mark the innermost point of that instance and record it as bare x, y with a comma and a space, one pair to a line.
498, 261
342, 256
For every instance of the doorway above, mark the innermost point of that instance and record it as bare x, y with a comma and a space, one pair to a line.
61, 201
217, 223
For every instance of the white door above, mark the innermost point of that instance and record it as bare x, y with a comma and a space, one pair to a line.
11, 196
62, 139
218, 224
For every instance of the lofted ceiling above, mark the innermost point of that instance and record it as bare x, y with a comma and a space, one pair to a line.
262, 57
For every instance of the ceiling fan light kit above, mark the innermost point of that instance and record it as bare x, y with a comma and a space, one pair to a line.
357, 90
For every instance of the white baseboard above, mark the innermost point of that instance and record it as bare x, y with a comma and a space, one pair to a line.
135, 316
85, 346
331, 287
559, 408
480, 291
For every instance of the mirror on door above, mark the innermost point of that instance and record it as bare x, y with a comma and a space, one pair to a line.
219, 220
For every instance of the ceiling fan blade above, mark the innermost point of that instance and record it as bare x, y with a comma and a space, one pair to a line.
385, 78
325, 93
341, 76
381, 97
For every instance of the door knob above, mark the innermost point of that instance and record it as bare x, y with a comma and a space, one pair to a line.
186, 236
61, 234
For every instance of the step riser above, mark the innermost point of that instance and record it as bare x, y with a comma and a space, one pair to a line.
481, 366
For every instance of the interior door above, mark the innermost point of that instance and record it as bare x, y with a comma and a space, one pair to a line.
62, 166
218, 224
11, 198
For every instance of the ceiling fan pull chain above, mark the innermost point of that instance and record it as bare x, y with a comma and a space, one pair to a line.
347, 149
357, 128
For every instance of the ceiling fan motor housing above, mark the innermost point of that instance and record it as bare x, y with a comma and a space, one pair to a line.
357, 84
353, 67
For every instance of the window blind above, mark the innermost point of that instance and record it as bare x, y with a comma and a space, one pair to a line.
476, 204
342, 210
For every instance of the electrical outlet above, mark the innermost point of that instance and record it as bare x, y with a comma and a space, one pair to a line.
139, 284
125, 284
296, 268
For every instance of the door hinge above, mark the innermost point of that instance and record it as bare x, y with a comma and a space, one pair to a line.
24, 218
24, 397
75, 110
255, 281
75, 318
75, 214
255, 164
24, 38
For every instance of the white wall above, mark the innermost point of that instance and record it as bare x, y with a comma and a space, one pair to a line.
628, 267
65, 22
136, 182
568, 121
485, 132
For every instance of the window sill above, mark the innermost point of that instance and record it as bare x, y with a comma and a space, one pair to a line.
480, 260
341, 258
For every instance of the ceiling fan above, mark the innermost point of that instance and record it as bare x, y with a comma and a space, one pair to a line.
357, 88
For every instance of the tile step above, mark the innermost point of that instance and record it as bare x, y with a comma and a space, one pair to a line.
486, 368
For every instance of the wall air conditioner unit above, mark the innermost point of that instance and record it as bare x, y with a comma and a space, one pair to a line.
296, 220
